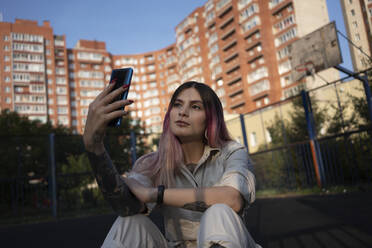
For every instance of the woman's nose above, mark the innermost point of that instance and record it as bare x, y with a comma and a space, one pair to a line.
183, 112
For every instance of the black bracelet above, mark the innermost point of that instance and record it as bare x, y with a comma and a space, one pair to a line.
161, 189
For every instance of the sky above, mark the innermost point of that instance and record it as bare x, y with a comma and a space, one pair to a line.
127, 26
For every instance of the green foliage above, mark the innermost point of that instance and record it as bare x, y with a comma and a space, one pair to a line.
340, 122
118, 143
295, 129
11, 123
25, 145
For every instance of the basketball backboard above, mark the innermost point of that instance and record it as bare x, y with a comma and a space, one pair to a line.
315, 52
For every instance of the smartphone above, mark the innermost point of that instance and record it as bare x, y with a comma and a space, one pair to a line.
121, 77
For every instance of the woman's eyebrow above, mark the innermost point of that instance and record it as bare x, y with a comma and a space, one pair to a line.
192, 101
196, 101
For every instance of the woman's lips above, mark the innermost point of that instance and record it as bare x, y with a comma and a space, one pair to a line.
182, 123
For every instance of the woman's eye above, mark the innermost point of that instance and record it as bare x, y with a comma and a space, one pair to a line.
176, 104
196, 107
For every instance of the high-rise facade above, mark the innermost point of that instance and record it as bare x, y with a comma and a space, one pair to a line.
358, 22
33, 71
238, 47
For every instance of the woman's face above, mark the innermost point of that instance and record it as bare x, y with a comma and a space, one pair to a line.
187, 116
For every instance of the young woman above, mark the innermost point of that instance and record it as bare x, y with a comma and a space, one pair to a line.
199, 178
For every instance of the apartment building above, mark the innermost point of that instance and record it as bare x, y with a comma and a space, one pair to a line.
238, 47
358, 22
89, 70
33, 71
155, 78
241, 48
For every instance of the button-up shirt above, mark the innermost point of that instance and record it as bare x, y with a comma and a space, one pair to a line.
228, 166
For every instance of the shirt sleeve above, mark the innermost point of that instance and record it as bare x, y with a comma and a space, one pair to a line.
142, 179
238, 174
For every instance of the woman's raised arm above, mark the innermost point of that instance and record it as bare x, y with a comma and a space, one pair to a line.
101, 111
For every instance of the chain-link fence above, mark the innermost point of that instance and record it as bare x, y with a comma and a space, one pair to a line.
319, 137
49, 175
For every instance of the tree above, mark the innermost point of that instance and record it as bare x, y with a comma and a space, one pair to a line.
118, 143
295, 128
25, 146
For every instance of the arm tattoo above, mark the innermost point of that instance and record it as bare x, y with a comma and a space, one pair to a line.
196, 206
112, 185
98, 138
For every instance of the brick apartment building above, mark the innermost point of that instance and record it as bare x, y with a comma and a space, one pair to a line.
238, 47
358, 22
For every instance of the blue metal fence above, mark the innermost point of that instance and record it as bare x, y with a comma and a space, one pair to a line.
346, 160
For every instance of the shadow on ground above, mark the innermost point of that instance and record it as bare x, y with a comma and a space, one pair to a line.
307, 221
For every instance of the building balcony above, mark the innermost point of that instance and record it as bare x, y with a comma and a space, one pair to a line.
260, 95
238, 85
233, 75
252, 36
226, 23
233, 66
230, 45
280, 6
231, 56
221, 13
229, 38
234, 80
237, 105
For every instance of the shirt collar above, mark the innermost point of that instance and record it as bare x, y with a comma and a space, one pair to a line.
206, 154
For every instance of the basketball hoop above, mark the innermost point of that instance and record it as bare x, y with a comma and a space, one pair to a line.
314, 52
307, 68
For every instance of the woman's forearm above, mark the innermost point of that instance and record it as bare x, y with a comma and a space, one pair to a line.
201, 198
112, 185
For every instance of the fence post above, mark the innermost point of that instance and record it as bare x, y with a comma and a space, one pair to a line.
133, 151
52, 175
315, 150
244, 133
367, 89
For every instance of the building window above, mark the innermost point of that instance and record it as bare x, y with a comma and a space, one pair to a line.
248, 12
253, 139
290, 34
255, 21
259, 87
352, 12
357, 37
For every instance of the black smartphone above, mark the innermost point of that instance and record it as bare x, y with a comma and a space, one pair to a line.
120, 77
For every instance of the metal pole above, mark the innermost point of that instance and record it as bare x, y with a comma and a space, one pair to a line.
315, 151
367, 89
244, 133
52, 176
133, 150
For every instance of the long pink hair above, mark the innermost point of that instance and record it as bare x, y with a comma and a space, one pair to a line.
162, 166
